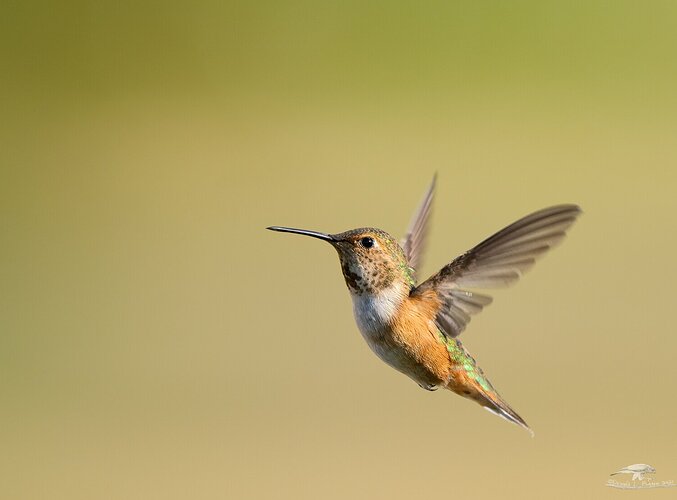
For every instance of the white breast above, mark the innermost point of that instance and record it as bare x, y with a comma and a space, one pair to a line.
374, 311
373, 314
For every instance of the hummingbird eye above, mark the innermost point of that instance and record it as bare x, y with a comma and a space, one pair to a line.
367, 242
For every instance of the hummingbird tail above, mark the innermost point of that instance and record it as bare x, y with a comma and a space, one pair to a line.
468, 380
496, 405
487, 396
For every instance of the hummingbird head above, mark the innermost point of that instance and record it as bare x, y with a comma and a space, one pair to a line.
371, 259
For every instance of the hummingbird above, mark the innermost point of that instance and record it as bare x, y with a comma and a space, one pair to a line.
415, 327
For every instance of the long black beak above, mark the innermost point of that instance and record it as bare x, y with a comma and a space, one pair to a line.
314, 234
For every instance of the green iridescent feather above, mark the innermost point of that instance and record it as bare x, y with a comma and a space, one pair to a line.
460, 357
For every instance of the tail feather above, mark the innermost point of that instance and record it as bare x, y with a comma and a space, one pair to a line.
468, 380
484, 394
494, 404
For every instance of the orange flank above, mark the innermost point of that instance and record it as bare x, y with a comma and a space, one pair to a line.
413, 330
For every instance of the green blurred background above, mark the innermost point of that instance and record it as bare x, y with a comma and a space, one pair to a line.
157, 342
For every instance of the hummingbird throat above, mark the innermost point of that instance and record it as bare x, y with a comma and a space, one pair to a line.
369, 278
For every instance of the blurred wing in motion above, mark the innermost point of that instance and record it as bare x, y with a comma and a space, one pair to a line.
414, 241
498, 261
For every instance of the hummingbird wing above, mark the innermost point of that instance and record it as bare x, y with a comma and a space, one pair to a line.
414, 240
498, 261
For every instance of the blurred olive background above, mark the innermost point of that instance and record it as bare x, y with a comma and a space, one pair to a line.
157, 342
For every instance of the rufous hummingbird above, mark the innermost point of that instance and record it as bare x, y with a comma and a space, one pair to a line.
415, 327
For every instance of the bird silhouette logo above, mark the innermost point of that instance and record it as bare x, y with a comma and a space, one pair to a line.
637, 471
